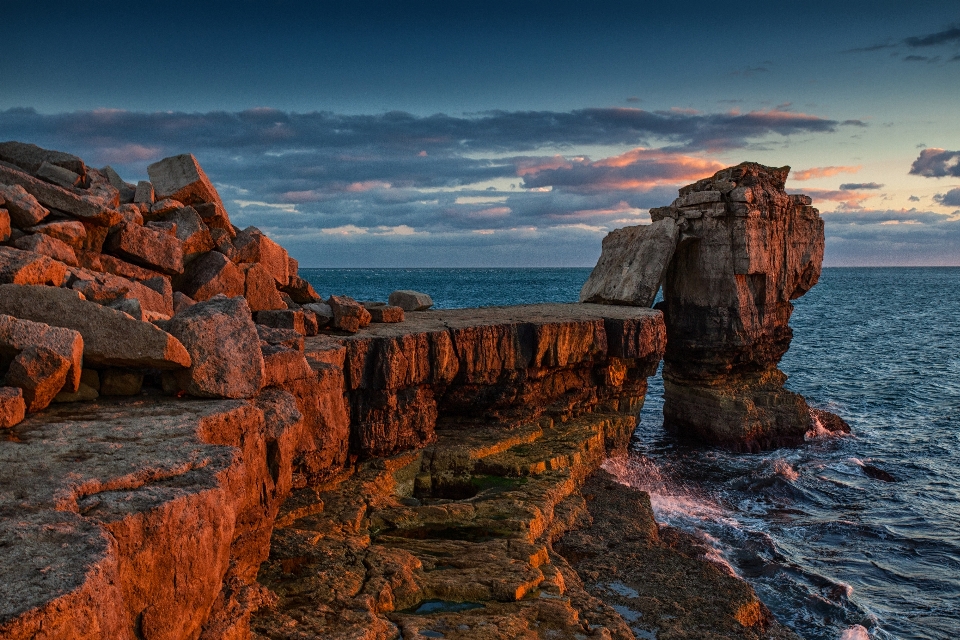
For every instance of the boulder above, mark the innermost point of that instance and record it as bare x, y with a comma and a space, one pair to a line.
181, 178
632, 264
4, 225
282, 319
215, 217
191, 231
126, 190
12, 407
384, 313
280, 337
27, 267
410, 300
48, 246
348, 314
252, 246
311, 326
59, 176
96, 236
209, 275
162, 208
107, 289
144, 192
260, 289
130, 213
281, 365
300, 290
181, 301
110, 337
79, 205
84, 393
121, 382
40, 373
124, 269
71, 232
24, 209
30, 157
322, 311
17, 334
147, 247
225, 349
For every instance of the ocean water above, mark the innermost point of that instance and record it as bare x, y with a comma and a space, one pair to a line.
842, 538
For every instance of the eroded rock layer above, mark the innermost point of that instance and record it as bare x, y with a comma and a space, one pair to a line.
746, 251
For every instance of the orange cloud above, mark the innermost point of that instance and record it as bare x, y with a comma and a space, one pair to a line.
823, 172
849, 199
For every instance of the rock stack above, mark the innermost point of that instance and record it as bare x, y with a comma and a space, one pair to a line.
105, 284
732, 252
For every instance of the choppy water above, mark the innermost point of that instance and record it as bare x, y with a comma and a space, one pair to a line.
826, 544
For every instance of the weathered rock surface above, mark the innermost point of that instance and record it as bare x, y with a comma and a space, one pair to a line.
632, 265
48, 246
348, 314
252, 246
110, 337
148, 247
16, 335
224, 349
75, 202
12, 407
24, 209
181, 178
69, 231
26, 267
30, 157
384, 313
40, 373
260, 289
410, 300
209, 275
747, 250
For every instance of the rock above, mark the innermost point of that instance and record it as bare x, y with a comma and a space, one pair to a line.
12, 407
384, 313
110, 337
215, 217
632, 264
30, 157
84, 207
181, 178
163, 286
17, 334
280, 337
224, 347
410, 300
322, 311
252, 246
131, 213
282, 319
121, 382
727, 305
191, 231
209, 275
181, 301
40, 372
311, 326
299, 289
27, 267
96, 236
48, 246
348, 314
260, 289
4, 225
116, 266
144, 192
125, 189
84, 393
59, 176
24, 209
71, 232
107, 289
282, 365
163, 207
152, 249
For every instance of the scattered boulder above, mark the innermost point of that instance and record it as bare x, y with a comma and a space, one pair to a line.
252, 246
107, 289
181, 178
348, 314
17, 334
110, 337
126, 190
84, 207
71, 232
48, 246
162, 208
632, 264
209, 275
410, 300
30, 157
383, 313
144, 192
224, 347
26, 267
260, 289
12, 407
148, 247
24, 209
41, 373
298, 289
59, 176
191, 231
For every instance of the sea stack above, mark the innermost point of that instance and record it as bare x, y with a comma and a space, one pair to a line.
746, 250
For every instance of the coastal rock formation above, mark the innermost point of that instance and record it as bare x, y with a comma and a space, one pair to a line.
747, 250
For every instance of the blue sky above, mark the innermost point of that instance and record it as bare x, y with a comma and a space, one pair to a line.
506, 134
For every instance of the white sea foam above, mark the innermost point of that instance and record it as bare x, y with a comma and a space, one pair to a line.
783, 468
856, 632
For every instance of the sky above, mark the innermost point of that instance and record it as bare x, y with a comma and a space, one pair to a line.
495, 134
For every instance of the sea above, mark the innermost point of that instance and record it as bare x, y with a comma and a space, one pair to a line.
843, 538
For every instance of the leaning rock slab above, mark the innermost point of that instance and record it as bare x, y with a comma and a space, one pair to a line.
181, 178
16, 335
148, 247
110, 337
348, 314
209, 275
48, 246
24, 209
632, 264
74, 202
410, 300
254, 247
224, 347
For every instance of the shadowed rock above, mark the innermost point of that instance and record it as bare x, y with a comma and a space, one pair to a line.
209, 275
40, 373
16, 335
410, 300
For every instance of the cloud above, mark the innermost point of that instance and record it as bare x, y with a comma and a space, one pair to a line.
914, 198
949, 35
949, 199
847, 186
936, 163
848, 199
822, 172
908, 237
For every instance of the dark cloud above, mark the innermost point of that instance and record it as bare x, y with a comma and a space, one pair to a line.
876, 238
854, 186
941, 37
948, 36
914, 198
949, 199
936, 163
914, 58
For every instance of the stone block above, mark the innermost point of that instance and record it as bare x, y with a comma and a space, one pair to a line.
96, 236
131, 213
181, 301
282, 319
260, 289
144, 192
27, 267
322, 311
224, 347
106, 289
209, 275
149, 248
40, 373
280, 337
124, 269
71, 232
4, 225
17, 334
162, 208
81, 206
191, 231
410, 300
252, 246
384, 313
311, 326
84, 393
48, 246
59, 176
181, 178
348, 314
281, 365
12, 407
30, 157
110, 337
121, 382
300, 290
24, 209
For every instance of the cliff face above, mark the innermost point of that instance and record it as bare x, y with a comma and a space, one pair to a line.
746, 251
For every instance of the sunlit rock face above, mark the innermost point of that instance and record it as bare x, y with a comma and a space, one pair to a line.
747, 249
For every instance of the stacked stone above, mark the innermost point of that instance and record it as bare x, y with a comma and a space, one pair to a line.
121, 267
